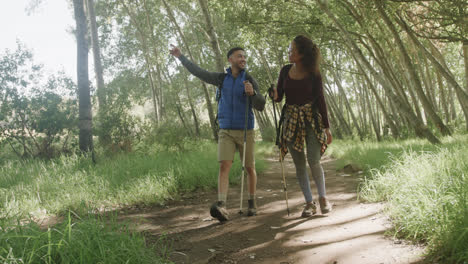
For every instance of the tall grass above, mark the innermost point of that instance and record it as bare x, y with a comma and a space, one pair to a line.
373, 155
36, 187
426, 189
89, 240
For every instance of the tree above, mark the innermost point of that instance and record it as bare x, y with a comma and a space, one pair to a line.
428, 108
84, 97
35, 116
101, 94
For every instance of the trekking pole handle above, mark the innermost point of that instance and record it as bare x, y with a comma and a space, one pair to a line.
271, 93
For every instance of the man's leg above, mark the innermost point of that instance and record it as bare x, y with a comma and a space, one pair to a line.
252, 174
226, 149
252, 181
223, 179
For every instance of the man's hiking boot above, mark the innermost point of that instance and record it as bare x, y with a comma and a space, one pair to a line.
252, 208
309, 209
325, 205
218, 210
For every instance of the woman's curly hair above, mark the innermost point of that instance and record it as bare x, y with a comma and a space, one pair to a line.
310, 53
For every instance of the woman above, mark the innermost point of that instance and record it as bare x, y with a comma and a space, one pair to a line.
305, 118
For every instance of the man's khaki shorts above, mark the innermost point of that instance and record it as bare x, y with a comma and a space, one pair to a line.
230, 140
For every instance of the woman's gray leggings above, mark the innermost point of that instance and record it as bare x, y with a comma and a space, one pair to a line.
313, 158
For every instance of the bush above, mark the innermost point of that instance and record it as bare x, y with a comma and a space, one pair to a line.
170, 136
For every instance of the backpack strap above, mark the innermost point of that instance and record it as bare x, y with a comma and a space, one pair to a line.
220, 86
218, 97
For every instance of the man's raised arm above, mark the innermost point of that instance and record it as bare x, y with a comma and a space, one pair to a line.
215, 78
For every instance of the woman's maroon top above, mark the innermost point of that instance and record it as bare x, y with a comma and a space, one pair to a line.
301, 92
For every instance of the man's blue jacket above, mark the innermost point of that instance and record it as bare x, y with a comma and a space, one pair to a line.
230, 94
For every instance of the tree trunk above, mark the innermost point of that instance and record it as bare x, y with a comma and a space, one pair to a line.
153, 91
412, 72
413, 97
443, 97
378, 53
104, 138
271, 79
337, 129
192, 107
181, 117
348, 106
380, 58
430, 87
179, 104
84, 98
338, 113
158, 88
372, 116
363, 110
387, 116
267, 67
101, 93
465, 59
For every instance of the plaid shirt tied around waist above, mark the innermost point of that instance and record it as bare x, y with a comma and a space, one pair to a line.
294, 127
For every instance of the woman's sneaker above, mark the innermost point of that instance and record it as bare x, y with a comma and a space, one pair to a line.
309, 209
325, 205
252, 208
218, 210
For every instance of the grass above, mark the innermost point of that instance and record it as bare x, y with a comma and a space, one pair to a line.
89, 240
374, 155
425, 187
33, 189
38, 187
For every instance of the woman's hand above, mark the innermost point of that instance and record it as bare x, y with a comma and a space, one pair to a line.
329, 136
273, 94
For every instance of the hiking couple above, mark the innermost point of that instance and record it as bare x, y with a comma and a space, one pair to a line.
305, 119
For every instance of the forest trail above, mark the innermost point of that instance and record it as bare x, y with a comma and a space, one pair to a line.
352, 233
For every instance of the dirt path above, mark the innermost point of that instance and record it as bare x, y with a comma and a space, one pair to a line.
352, 233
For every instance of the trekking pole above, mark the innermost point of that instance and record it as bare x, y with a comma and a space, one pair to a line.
285, 187
243, 155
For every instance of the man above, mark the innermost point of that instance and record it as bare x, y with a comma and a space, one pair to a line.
233, 87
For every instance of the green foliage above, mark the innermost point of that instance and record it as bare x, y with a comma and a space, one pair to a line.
34, 116
116, 126
170, 136
89, 240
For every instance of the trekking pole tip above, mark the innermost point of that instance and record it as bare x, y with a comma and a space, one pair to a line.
240, 212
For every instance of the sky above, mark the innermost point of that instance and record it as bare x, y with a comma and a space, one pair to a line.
46, 31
